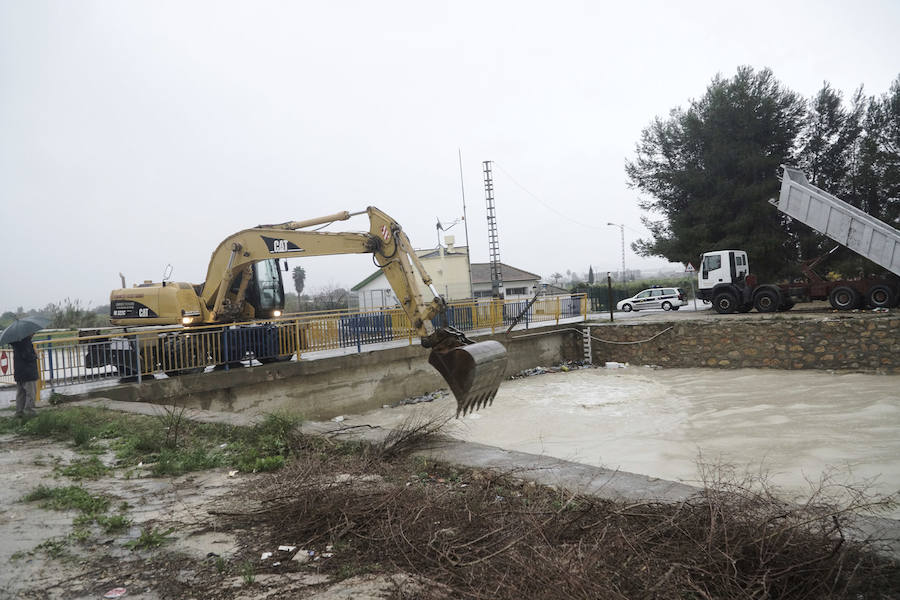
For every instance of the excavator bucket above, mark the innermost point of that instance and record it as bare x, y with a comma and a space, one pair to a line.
473, 372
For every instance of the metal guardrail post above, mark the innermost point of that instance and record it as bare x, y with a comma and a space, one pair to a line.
225, 357
137, 355
50, 360
557, 309
357, 322
40, 382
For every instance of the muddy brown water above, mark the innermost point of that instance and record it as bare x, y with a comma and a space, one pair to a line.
794, 426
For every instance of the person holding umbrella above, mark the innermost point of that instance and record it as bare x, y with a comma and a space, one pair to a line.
25, 367
25, 372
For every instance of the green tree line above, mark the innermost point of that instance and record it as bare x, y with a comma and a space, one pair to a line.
68, 314
708, 170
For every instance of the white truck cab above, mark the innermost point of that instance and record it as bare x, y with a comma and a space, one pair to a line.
722, 267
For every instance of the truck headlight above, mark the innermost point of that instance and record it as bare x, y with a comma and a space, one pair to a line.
276, 313
186, 320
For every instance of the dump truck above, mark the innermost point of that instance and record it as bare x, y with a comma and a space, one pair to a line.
724, 277
244, 285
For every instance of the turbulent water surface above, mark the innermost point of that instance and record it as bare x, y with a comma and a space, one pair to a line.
795, 426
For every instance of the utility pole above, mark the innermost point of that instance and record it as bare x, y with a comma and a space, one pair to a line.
493, 240
462, 188
622, 232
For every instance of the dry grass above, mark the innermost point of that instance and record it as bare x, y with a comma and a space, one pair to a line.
486, 535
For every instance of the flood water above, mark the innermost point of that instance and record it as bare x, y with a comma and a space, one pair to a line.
795, 426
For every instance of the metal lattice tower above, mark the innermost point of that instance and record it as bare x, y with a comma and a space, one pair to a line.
493, 240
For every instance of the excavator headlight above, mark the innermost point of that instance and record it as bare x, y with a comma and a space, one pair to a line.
186, 320
276, 313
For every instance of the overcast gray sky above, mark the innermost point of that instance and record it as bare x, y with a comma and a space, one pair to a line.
136, 134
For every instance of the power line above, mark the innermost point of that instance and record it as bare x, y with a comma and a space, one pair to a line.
541, 202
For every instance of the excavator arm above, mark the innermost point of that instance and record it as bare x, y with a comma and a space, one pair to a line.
472, 370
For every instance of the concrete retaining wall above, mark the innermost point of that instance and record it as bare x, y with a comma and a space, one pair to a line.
861, 343
327, 387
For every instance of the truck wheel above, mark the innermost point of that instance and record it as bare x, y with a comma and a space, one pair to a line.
667, 306
745, 308
881, 296
725, 303
767, 301
843, 298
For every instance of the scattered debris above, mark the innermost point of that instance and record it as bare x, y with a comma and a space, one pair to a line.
616, 365
115, 593
561, 367
338, 419
287, 548
232, 473
265, 555
429, 397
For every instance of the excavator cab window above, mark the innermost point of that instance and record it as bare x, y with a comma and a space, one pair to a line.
267, 289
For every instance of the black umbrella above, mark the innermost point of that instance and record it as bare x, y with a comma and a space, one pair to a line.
22, 328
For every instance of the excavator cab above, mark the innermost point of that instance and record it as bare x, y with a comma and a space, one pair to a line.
264, 290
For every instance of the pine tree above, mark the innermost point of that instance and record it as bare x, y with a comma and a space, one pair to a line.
709, 170
831, 133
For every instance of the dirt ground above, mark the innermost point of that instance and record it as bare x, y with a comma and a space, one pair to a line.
40, 562
340, 523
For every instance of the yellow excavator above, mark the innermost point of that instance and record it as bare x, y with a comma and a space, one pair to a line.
244, 282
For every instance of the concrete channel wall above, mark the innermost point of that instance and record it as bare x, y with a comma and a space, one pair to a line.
869, 342
353, 383
327, 387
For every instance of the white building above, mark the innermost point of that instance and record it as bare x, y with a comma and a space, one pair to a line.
448, 267
449, 270
516, 282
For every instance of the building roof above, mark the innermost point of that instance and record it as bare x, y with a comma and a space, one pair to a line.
366, 281
432, 253
481, 273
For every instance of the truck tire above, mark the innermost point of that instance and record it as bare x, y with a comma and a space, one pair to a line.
767, 301
843, 297
881, 296
786, 305
745, 308
725, 303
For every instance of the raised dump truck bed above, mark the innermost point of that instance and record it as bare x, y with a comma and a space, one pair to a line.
847, 225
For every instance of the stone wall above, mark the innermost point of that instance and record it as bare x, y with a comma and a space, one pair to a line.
869, 342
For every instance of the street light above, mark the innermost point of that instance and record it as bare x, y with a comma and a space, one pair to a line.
622, 231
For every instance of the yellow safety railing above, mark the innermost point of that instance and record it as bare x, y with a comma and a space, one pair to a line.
145, 353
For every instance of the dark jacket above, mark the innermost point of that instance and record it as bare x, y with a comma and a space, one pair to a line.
25, 366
